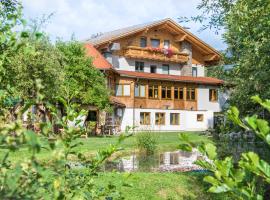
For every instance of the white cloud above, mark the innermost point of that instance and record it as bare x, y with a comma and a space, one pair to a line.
86, 17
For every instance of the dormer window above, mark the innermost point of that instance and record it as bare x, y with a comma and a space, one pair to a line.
155, 43
143, 42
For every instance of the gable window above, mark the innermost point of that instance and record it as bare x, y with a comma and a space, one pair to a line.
175, 119
160, 119
145, 118
194, 72
179, 93
191, 94
155, 43
153, 91
166, 44
199, 117
139, 66
165, 69
166, 92
139, 90
153, 69
122, 90
213, 95
143, 42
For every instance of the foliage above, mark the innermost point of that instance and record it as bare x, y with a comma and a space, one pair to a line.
246, 32
147, 142
242, 181
34, 179
82, 81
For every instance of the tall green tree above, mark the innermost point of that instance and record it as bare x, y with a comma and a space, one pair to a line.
246, 25
82, 81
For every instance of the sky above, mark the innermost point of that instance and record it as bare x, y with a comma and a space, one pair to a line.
84, 18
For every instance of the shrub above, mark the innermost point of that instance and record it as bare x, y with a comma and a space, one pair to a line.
147, 142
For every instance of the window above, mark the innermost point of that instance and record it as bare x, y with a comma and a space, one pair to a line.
153, 92
165, 69
166, 92
191, 94
155, 43
194, 71
139, 66
153, 69
213, 95
175, 119
139, 90
199, 117
166, 44
160, 119
145, 118
178, 93
143, 42
122, 90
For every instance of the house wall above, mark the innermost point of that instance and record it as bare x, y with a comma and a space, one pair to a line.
203, 99
188, 120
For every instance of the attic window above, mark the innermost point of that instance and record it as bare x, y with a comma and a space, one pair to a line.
155, 43
143, 42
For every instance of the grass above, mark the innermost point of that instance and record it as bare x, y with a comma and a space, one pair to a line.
166, 141
158, 186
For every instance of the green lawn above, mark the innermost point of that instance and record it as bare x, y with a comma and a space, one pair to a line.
167, 141
158, 186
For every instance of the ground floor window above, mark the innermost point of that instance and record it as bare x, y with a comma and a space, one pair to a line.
213, 94
199, 117
145, 118
160, 119
175, 119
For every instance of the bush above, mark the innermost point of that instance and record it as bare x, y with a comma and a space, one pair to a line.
147, 142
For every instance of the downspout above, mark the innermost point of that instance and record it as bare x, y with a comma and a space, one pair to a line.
133, 120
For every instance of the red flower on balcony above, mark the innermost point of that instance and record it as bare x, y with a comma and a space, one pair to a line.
167, 51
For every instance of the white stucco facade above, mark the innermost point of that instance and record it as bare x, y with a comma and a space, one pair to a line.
188, 120
203, 99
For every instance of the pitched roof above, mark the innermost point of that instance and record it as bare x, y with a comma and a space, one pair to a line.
185, 79
120, 33
98, 60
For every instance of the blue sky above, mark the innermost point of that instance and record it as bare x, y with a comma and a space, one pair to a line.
86, 17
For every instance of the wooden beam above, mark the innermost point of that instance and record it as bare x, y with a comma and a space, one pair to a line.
210, 57
180, 38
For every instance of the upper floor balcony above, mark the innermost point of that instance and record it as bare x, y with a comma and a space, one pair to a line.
158, 54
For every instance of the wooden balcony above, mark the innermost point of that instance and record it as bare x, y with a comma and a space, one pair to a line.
151, 54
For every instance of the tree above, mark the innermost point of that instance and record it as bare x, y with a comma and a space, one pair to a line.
247, 34
82, 82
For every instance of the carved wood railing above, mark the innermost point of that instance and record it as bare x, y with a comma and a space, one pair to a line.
154, 54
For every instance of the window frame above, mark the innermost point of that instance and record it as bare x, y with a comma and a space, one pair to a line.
161, 121
174, 122
155, 39
153, 91
122, 95
200, 117
139, 86
169, 43
145, 122
153, 66
166, 65
179, 89
139, 62
145, 39
166, 92
189, 94
194, 69
213, 95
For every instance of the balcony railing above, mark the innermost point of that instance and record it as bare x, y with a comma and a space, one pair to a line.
155, 54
